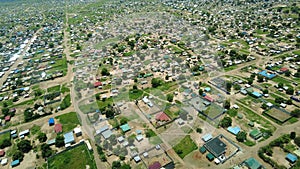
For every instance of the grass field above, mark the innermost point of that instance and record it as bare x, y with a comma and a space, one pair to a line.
278, 115
53, 89
78, 157
213, 110
69, 121
4, 136
185, 146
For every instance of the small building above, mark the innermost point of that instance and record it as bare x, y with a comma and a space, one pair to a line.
51, 142
207, 89
161, 116
97, 84
251, 123
15, 163
58, 128
284, 69
252, 163
77, 131
125, 127
51, 121
120, 139
137, 159
208, 98
180, 121
155, 165
255, 134
210, 157
69, 138
291, 158
2, 153
22, 134
202, 149
106, 134
7, 118
207, 137
4, 161
256, 94
139, 137
234, 130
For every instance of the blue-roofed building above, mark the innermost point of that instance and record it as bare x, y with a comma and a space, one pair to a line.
107, 133
51, 142
234, 130
125, 127
69, 138
207, 89
138, 131
15, 163
256, 94
267, 75
51, 122
291, 158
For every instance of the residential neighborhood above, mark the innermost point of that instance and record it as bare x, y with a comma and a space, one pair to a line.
161, 84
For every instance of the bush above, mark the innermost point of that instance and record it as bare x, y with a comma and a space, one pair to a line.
297, 141
199, 130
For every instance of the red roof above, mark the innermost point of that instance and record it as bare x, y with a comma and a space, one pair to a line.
161, 116
96, 84
284, 69
208, 98
7, 118
58, 128
2, 153
155, 165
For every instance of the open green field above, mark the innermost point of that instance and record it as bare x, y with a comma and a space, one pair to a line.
53, 89
278, 115
78, 157
4, 136
69, 121
213, 110
185, 146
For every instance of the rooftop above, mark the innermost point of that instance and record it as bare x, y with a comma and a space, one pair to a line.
216, 147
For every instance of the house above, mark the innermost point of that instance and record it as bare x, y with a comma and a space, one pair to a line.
216, 147
284, 69
210, 157
291, 158
22, 134
120, 139
256, 94
255, 134
106, 134
51, 142
207, 137
234, 130
202, 149
58, 128
155, 165
51, 121
14, 163
2, 153
208, 98
7, 118
139, 137
161, 116
77, 131
267, 74
69, 138
137, 159
252, 163
125, 127
4, 161
97, 84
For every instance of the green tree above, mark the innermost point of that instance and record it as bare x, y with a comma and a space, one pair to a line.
24, 146
46, 150
59, 141
170, 97
241, 136
42, 137
200, 92
18, 155
297, 141
227, 104
290, 91
228, 86
293, 135
155, 82
225, 122
5, 143
295, 113
116, 165
199, 130
104, 72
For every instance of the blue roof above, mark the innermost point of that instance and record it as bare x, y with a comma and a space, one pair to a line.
291, 157
256, 94
51, 121
106, 134
267, 75
125, 127
138, 131
14, 163
234, 130
69, 138
207, 89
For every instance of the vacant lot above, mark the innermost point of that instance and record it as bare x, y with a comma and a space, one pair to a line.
78, 157
278, 115
69, 121
185, 146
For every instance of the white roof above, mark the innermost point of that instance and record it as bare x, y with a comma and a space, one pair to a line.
24, 132
4, 161
77, 130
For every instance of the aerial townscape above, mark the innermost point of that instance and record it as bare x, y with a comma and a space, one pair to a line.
150, 84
